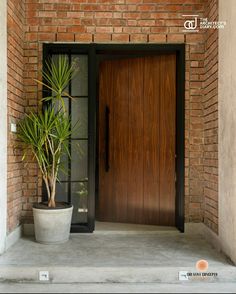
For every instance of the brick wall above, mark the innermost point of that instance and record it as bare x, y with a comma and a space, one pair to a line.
16, 103
194, 136
126, 21
210, 104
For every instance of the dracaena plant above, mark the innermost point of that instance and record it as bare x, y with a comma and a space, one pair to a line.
46, 133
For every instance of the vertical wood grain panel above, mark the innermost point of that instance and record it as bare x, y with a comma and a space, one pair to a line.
151, 139
141, 95
135, 143
120, 135
106, 202
167, 137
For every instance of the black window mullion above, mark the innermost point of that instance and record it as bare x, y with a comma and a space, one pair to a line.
81, 181
78, 97
79, 139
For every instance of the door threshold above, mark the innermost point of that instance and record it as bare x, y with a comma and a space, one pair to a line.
109, 227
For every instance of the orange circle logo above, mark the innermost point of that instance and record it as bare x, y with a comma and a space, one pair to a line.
202, 265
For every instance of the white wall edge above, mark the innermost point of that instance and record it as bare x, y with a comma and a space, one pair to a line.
13, 237
3, 124
227, 126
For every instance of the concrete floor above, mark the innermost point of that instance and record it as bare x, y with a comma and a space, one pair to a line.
126, 258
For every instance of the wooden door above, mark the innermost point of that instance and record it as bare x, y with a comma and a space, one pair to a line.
137, 133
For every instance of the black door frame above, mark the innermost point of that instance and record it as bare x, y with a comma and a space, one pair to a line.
96, 53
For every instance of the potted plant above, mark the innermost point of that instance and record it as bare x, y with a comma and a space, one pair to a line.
45, 135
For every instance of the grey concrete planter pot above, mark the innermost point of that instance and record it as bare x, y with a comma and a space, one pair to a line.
52, 226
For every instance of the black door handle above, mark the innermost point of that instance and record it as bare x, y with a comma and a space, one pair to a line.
107, 139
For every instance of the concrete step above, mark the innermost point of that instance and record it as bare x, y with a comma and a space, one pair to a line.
117, 257
117, 288
65, 274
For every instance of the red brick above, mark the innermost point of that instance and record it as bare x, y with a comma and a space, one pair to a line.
117, 15
194, 38
76, 29
131, 7
103, 14
120, 7
61, 14
31, 13
117, 30
46, 29
159, 30
146, 30
133, 1
131, 22
47, 6
120, 37
118, 22
65, 37
175, 22
61, 29
175, 38
47, 37
50, 14
160, 38
63, 7
31, 37
74, 14
149, 23
89, 7
131, 15
138, 38
132, 30
104, 30
83, 38
102, 37
148, 7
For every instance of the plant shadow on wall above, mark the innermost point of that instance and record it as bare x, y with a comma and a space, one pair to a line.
46, 135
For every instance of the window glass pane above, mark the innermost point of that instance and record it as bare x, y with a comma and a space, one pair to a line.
79, 160
63, 171
62, 192
79, 111
79, 84
58, 105
79, 199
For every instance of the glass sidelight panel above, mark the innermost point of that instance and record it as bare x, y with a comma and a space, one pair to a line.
79, 199
64, 171
73, 180
55, 59
79, 115
79, 84
79, 160
63, 174
62, 191
66, 102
